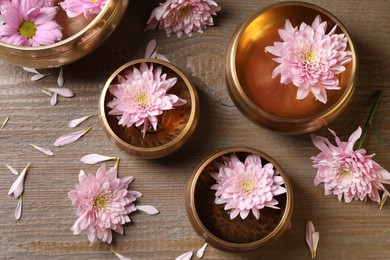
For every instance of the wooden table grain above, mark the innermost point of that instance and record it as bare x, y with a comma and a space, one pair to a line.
347, 231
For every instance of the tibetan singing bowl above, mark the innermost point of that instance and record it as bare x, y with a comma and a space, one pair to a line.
213, 224
266, 101
80, 37
174, 128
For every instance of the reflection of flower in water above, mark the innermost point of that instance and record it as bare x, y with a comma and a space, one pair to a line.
74, 8
29, 23
309, 58
88, 36
246, 187
141, 96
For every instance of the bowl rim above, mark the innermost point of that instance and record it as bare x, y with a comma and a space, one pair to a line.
212, 239
183, 135
71, 38
233, 82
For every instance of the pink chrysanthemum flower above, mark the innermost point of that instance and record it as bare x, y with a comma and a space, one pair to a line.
246, 187
310, 58
347, 173
103, 203
178, 16
141, 96
29, 23
74, 8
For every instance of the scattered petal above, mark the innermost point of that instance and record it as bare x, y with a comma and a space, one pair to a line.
53, 100
32, 70
37, 77
18, 210
385, 195
185, 256
316, 238
11, 169
201, 251
46, 92
5, 122
76, 122
65, 92
121, 257
150, 48
148, 209
70, 138
60, 80
312, 238
95, 158
18, 186
43, 150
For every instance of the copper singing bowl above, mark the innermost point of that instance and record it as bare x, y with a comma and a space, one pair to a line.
212, 223
266, 101
174, 128
81, 37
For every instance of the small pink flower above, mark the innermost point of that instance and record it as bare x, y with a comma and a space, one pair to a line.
74, 8
178, 16
141, 96
309, 58
247, 186
29, 23
347, 173
103, 203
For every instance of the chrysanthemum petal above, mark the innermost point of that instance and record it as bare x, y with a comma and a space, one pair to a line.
96, 158
201, 251
148, 209
77, 121
70, 138
18, 209
185, 256
42, 150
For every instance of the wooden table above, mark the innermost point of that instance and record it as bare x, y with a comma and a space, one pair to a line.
347, 231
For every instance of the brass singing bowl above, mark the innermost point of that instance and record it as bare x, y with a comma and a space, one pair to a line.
213, 224
175, 126
81, 37
267, 102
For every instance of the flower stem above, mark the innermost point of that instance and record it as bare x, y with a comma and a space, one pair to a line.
370, 118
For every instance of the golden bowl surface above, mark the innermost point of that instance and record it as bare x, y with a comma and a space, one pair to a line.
266, 101
81, 37
174, 128
212, 223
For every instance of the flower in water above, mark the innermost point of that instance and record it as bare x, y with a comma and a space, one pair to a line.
141, 96
309, 58
29, 23
103, 203
178, 16
74, 8
247, 186
347, 173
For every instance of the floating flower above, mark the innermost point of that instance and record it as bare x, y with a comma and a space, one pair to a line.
309, 58
247, 186
74, 8
141, 96
178, 16
29, 23
103, 203
348, 173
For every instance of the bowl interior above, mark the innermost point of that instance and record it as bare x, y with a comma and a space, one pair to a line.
172, 123
217, 220
254, 66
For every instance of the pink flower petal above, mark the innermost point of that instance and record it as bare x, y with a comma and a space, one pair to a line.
42, 150
201, 251
316, 238
11, 169
32, 70
308, 234
185, 256
18, 210
148, 209
96, 158
5, 122
70, 138
18, 185
37, 77
76, 122
62, 92
150, 48
60, 80
120, 257
53, 99
47, 92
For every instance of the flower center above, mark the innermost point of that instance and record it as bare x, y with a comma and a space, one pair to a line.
92, 1
27, 29
100, 202
310, 56
344, 172
142, 99
184, 11
248, 185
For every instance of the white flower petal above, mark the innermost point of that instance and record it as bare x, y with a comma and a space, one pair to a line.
316, 238
121, 257
18, 185
37, 77
13, 170
53, 99
62, 92
201, 251
148, 209
76, 122
32, 70
60, 80
5, 122
18, 210
95, 158
185, 256
46, 92
42, 150
70, 138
